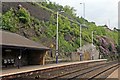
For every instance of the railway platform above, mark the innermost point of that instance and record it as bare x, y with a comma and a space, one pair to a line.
14, 71
115, 74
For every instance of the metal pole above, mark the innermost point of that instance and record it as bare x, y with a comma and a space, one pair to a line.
57, 40
83, 23
84, 10
80, 37
109, 22
81, 28
80, 45
92, 38
92, 45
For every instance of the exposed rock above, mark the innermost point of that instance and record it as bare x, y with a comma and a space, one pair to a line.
89, 50
107, 46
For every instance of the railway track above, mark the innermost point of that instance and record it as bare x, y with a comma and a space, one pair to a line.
98, 71
79, 71
55, 72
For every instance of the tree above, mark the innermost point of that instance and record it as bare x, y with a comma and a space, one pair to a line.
24, 15
69, 10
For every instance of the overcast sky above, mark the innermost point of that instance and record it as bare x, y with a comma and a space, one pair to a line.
99, 11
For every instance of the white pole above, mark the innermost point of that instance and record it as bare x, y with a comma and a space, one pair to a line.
81, 26
57, 40
92, 45
92, 38
80, 37
109, 23
84, 10
81, 30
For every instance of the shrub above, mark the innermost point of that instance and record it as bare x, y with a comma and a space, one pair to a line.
23, 15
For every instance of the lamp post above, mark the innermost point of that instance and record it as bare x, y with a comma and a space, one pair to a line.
83, 24
92, 37
92, 44
57, 40
80, 37
83, 10
81, 31
57, 46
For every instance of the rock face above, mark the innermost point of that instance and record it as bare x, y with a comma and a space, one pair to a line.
106, 46
89, 51
42, 30
34, 10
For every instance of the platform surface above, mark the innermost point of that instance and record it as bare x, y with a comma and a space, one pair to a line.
7, 72
115, 74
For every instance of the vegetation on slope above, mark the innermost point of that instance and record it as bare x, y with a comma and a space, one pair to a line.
21, 22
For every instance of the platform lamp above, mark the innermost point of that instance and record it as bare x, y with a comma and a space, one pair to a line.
81, 30
93, 43
83, 10
81, 25
57, 46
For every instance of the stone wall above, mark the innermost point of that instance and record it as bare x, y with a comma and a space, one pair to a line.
37, 57
89, 51
75, 56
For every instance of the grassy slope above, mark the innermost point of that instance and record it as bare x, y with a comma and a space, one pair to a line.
21, 22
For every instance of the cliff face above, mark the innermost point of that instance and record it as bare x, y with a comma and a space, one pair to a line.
34, 10
107, 46
39, 24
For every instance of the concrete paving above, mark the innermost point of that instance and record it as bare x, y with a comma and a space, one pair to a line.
8, 72
115, 74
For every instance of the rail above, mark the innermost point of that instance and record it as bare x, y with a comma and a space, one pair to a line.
57, 70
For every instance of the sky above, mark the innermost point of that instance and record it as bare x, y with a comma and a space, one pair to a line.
99, 11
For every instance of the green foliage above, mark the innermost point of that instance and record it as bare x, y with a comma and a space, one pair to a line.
69, 10
51, 30
46, 31
53, 6
9, 21
35, 39
65, 45
23, 15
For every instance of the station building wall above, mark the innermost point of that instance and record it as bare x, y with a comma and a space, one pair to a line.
28, 57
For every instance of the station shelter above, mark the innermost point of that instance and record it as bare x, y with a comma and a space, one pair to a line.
18, 50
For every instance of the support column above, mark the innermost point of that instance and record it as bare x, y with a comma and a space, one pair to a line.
42, 57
